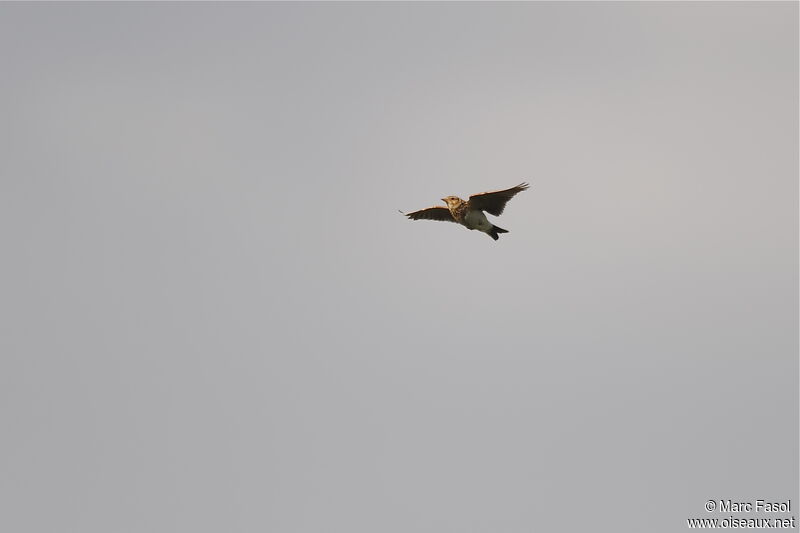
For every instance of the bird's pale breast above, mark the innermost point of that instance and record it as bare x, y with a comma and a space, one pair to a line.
475, 219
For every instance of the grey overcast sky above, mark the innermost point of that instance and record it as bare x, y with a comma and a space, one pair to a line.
215, 319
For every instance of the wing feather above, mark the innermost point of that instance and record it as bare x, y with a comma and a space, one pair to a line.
493, 202
432, 213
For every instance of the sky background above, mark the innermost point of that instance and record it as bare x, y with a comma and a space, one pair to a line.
215, 319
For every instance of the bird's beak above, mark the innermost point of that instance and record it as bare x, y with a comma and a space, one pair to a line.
445, 201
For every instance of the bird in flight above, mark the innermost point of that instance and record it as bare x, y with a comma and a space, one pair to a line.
470, 213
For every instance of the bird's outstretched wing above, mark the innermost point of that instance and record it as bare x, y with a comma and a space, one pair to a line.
432, 213
494, 202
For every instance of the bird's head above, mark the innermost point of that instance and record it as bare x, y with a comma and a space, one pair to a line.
451, 201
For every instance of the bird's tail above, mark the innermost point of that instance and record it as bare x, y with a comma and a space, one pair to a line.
495, 231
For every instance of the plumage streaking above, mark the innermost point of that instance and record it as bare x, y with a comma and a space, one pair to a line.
470, 213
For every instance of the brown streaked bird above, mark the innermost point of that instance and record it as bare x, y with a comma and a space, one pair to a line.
470, 213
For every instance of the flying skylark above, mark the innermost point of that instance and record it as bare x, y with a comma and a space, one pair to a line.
470, 213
